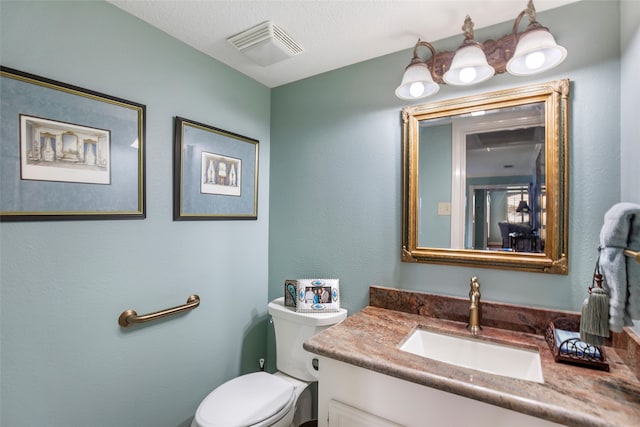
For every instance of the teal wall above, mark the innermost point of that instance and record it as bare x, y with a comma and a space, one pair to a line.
630, 107
329, 205
335, 179
435, 167
65, 360
497, 213
335, 173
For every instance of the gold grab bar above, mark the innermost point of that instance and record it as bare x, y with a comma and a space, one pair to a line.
130, 317
632, 254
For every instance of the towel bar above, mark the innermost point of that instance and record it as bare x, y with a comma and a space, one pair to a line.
632, 254
130, 317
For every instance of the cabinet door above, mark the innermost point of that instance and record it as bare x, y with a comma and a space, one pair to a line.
341, 415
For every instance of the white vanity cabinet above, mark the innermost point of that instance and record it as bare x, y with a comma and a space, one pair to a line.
350, 396
341, 415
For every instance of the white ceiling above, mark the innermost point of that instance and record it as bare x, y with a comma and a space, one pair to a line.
333, 33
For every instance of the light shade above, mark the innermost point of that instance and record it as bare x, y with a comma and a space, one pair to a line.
417, 83
469, 66
537, 51
523, 206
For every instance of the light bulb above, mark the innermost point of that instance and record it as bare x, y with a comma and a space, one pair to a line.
416, 89
468, 74
534, 60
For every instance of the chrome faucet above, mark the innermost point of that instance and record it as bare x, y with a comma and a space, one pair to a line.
475, 310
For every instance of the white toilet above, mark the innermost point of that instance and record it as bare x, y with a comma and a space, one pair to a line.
282, 399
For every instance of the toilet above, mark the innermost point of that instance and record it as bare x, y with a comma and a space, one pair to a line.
282, 399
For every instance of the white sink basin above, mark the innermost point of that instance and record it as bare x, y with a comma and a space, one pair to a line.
476, 354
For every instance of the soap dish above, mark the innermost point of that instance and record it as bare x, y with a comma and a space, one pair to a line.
563, 337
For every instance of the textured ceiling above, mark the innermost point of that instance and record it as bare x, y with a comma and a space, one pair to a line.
333, 34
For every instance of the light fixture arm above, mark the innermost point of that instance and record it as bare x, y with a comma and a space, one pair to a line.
530, 12
438, 64
467, 30
417, 60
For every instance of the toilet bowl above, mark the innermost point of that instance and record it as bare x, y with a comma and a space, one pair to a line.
258, 399
282, 399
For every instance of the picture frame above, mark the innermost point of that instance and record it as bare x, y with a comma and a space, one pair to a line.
215, 173
315, 295
69, 153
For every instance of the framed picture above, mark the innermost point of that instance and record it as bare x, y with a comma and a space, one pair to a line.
68, 153
215, 173
315, 295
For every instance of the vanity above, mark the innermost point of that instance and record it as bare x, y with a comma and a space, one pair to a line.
365, 379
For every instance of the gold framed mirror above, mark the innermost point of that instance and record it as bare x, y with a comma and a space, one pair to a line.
485, 180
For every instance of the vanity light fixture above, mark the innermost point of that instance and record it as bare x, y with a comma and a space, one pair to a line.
469, 65
417, 81
536, 49
531, 51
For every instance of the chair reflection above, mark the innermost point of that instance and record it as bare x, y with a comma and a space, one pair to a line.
518, 237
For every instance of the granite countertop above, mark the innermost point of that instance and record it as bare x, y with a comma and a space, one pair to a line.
570, 395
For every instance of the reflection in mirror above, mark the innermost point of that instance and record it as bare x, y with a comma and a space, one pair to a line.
503, 153
479, 174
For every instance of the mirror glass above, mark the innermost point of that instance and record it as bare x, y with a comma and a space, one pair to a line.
485, 179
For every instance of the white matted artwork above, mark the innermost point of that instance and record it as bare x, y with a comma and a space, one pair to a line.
220, 175
51, 150
317, 295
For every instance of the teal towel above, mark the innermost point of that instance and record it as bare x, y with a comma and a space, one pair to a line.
575, 345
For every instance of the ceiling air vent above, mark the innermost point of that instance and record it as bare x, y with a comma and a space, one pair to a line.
266, 44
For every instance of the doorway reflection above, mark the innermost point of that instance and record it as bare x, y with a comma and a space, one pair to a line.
501, 219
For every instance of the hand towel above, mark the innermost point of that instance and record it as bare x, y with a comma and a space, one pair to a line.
620, 231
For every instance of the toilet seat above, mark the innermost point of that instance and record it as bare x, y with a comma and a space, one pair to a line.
252, 400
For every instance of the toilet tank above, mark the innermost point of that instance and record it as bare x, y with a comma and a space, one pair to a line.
292, 330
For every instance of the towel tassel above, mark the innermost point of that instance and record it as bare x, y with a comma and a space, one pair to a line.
594, 322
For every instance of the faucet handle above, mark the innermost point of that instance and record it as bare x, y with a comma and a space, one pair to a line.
474, 281
474, 286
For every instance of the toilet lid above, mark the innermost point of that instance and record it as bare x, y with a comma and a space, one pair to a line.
245, 401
